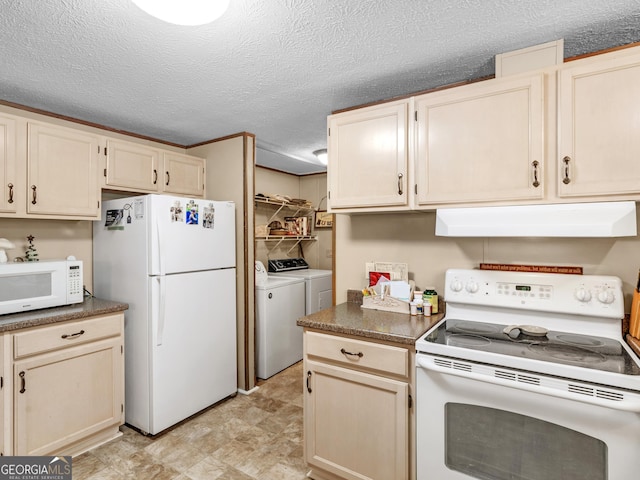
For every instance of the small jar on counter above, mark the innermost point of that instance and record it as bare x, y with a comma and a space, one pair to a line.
431, 296
413, 308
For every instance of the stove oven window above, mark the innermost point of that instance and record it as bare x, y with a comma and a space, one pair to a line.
487, 443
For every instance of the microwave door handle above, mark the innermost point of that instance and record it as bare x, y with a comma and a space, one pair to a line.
161, 307
624, 405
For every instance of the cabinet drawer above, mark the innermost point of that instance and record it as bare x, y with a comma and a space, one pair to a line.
68, 334
357, 353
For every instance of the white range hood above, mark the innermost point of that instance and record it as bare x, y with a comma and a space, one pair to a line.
603, 219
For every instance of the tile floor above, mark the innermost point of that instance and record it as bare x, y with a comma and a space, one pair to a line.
257, 436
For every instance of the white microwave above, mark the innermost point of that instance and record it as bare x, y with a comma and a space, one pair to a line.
32, 285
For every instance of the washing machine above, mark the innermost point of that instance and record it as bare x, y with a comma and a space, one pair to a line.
318, 283
279, 303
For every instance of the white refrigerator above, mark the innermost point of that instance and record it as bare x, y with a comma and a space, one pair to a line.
172, 259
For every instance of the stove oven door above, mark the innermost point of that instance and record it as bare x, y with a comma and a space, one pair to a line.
509, 425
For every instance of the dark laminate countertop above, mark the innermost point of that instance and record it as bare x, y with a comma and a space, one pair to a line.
351, 319
89, 308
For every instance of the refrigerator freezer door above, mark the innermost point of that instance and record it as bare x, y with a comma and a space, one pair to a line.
193, 348
189, 235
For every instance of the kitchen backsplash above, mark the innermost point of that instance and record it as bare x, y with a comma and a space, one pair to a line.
53, 239
410, 238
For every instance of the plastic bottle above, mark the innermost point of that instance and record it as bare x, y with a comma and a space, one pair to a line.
431, 296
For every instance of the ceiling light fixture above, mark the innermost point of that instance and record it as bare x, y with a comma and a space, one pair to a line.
184, 12
322, 155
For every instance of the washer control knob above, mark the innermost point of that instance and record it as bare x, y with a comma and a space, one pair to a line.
471, 286
606, 296
583, 295
456, 285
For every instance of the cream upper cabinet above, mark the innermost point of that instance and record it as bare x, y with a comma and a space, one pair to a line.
183, 174
369, 158
62, 172
482, 142
8, 184
599, 126
131, 166
141, 168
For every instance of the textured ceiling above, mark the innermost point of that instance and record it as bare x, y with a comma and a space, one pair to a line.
275, 68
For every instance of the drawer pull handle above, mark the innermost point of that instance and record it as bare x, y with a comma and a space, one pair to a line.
23, 382
35, 195
308, 379
168, 178
155, 176
10, 192
400, 184
344, 352
73, 335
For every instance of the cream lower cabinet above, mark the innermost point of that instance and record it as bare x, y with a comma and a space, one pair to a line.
62, 172
482, 142
68, 382
599, 126
368, 158
356, 409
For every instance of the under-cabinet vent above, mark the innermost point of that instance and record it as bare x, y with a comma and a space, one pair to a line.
596, 392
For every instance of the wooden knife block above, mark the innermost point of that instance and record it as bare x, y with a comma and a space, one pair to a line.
634, 317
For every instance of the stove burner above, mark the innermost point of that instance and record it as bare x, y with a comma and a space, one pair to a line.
476, 327
464, 340
567, 353
579, 340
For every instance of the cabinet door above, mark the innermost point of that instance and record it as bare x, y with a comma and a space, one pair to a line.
355, 424
368, 157
183, 174
481, 142
8, 164
132, 167
66, 396
62, 172
599, 127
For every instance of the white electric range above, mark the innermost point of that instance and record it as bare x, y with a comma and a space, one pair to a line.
528, 377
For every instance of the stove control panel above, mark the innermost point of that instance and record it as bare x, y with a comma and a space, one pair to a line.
595, 295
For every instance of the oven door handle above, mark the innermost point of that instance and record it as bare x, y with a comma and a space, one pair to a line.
628, 405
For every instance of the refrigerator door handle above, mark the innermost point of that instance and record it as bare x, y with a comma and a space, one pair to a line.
161, 310
160, 255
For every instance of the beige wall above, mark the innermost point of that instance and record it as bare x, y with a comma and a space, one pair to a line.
310, 187
409, 238
54, 240
230, 176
